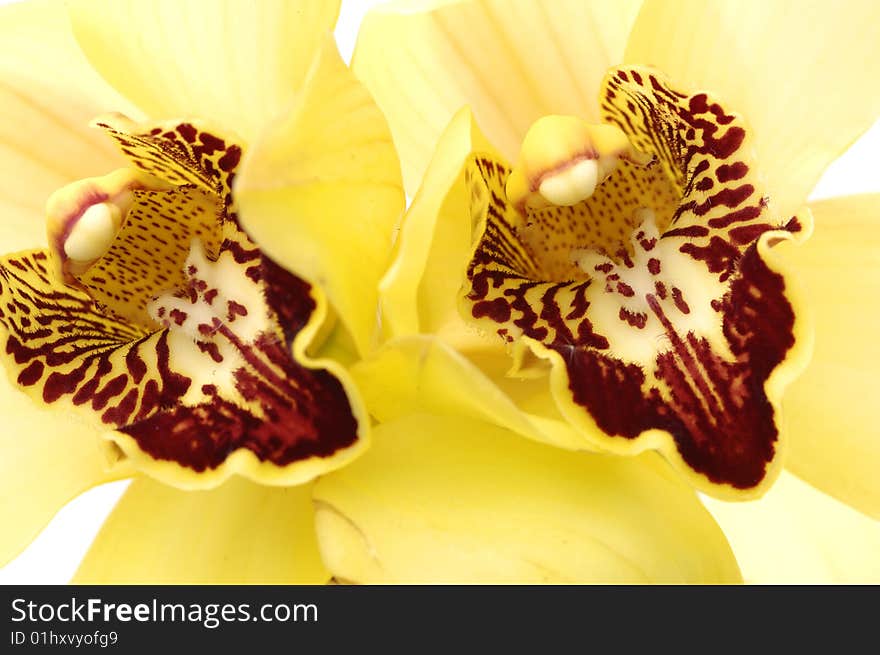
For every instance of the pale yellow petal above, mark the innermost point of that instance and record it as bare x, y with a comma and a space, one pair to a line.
48, 95
236, 64
424, 374
794, 69
419, 291
444, 499
46, 459
419, 296
797, 535
321, 193
831, 409
240, 532
511, 60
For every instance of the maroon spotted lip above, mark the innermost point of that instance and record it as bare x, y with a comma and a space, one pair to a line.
67, 345
706, 389
304, 412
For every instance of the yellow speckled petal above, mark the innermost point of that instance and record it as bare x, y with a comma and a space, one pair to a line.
48, 96
807, 98
831, 409
234, 63
452, 500
48, 459
321, 193
512, 61
797, 535
239, 533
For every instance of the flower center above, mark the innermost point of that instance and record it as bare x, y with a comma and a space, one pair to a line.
580, 187
641, 278
154, 315
123, 238
562, 161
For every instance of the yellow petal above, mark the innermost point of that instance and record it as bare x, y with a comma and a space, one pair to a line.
831, 408
321, 194
512, 61
797, 535
419, 296
240, 532
423, 374
48, 96
445, 499
233, 63
419, 291
806, 98
48, 458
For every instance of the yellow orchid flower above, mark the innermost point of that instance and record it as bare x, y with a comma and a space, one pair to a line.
160, 318
610, 250
311, 159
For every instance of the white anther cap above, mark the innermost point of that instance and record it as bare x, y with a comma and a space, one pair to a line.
93, 233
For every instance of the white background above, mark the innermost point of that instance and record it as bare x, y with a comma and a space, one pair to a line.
53, 557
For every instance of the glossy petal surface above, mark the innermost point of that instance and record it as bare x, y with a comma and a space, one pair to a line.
235, 64
48, 96
239, 533
48, 459
321, 192
446, 499
831, 408
798, 535
423, 61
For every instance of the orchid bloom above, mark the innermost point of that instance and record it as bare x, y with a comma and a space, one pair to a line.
610, 251
161, 318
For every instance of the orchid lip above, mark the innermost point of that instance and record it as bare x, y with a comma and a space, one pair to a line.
652, 292
154, 316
